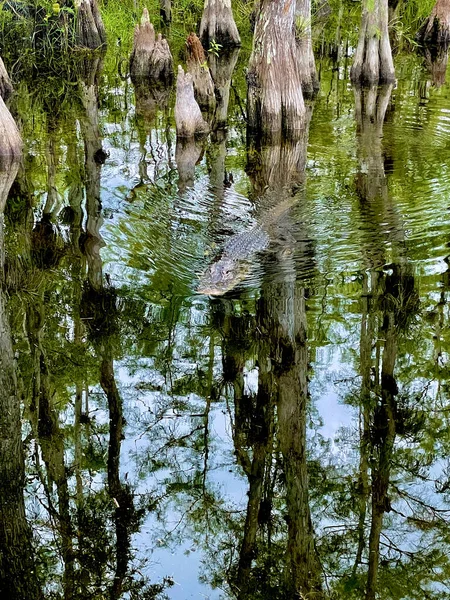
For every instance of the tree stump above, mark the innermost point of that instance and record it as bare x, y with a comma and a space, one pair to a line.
436, 29
217, 24
373, 57
6, 87
90, 29
197, 66
274, 97
10, 139
151, 59
188, 116
307, 64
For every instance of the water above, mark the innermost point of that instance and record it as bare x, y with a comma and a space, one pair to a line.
245, 444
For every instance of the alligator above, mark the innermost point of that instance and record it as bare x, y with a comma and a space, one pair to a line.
235, 261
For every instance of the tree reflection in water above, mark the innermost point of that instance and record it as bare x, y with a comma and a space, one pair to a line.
154, 421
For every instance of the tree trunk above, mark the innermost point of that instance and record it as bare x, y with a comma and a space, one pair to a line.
10, 139
222, 68
373, 57
197, 66
188, 116
307, 65
165, 11
6, 87
217, 24
151, 60
90, 29
275, 101
436, 29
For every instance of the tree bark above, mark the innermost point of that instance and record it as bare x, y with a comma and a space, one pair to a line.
217, 24
373, 61
188, 116
307, 64
274, 99
436, 29
91, 32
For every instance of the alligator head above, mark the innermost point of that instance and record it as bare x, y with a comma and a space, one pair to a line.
222, 276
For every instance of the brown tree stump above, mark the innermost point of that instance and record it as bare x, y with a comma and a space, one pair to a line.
10, 139
373, 57
436, 29
307, 64
6, 87
218, 24
197, 66
188, 116
90, 29
274, 98
151, 59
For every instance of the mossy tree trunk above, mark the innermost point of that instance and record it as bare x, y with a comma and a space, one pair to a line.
373, 61
275, 101
217, 24
436, 29
307, 64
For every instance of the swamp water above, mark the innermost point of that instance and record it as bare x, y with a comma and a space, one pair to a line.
290, 431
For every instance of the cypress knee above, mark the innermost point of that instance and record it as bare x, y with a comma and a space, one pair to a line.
188, 116
151, 59
201, 76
